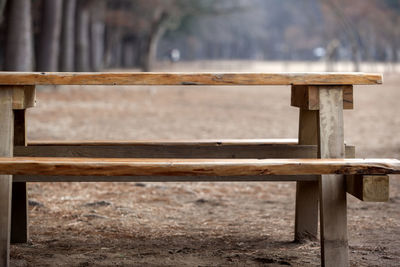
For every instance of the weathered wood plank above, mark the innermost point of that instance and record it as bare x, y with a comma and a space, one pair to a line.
348, 97
333, 206
307, 97
24, 97
173, 151
369, 188
19, 204
109, 78
307, 192
6, 150
190, 167
159, 178
180, 142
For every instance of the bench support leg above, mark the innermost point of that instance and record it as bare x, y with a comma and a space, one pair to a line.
333, 207
6, 150
19, 206
307, 192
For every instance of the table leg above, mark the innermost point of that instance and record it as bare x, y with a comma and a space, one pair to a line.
307, 192
19, 213
19, 206
6, 150
333, 207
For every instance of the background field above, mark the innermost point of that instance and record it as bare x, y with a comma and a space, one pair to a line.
198, 224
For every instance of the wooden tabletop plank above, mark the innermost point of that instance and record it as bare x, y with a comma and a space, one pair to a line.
175, 142
159, 178
187, 167
153, 78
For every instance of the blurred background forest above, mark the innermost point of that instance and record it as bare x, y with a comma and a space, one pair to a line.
96, 35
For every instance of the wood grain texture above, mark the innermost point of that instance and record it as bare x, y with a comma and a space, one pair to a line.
331, 132
307, 192
348, 97
190, 167
160, 178
162, 150
24, 97
109, 78
333, 205
179, 142
307, 97
369, 188
19, 203
6, 150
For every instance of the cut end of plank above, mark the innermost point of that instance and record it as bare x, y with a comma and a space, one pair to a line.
369, 188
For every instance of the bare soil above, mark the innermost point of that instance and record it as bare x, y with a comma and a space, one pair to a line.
197, 224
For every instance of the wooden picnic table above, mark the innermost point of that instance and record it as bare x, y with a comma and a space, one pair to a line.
321, 185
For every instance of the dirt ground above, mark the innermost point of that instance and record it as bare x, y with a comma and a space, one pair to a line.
197, 224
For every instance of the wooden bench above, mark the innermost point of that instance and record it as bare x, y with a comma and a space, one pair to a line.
323, 167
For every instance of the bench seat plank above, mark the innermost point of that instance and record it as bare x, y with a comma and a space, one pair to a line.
154, 78
190, 167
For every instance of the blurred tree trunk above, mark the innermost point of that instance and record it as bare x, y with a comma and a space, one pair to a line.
19, 44
97, 33
129, 51
350, 30
67, 54
141, 50
2, 33
356, 56
158, 29
2, 7
113, 47
82, 56
108, 49
49, 43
